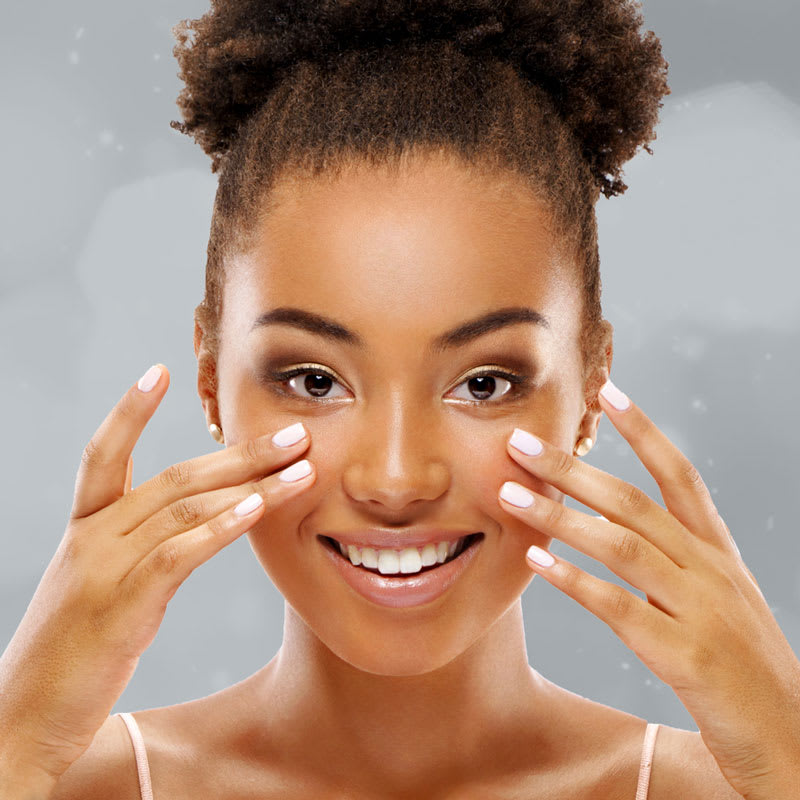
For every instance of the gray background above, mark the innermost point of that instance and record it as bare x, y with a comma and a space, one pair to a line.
105, 212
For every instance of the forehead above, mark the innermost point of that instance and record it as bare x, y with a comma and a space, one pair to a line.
406, 251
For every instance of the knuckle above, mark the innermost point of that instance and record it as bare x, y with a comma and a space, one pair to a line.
617, 602
562, 463
688, 475
177, 476
92, 455
626, 547
252, 453
185, 512
701, 658
631, 498
165, 559
554, 515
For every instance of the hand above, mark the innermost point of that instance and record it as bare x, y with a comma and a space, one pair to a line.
123, 556
705, 627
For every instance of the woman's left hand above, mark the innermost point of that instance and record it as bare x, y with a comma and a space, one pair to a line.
705, 628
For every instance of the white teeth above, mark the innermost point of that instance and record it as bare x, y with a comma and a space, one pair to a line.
353, 554
406, 561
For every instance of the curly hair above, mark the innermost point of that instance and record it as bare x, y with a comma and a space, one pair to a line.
560, 92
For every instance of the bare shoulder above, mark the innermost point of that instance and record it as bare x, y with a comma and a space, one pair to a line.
684, 767
106, 769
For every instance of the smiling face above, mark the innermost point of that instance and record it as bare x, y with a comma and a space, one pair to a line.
408, 429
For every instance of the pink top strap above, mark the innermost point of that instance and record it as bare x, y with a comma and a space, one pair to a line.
142, 767
647, 760
146, 789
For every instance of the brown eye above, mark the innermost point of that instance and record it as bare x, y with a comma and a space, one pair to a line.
483, 387
312, 379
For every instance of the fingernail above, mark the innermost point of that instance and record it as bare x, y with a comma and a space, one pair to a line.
296, 471
516, 495
539, 556
525, 442
150, 378
249, 504
290, 435
618, 399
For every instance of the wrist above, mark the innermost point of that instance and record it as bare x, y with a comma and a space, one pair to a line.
22, 780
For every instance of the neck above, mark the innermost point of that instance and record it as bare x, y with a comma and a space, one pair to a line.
405, 732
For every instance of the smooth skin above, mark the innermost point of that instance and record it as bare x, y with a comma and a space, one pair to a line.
436, 701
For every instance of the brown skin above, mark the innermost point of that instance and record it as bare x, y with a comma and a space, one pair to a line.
399, 259
436, 701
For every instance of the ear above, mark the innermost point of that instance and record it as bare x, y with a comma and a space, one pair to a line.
206, 375
597, 377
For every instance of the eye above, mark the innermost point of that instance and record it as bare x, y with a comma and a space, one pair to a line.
484, 384
312, 378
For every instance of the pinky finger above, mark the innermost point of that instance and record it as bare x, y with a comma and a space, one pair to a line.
171, 563
641, 625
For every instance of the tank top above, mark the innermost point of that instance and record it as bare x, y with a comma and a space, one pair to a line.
146, 790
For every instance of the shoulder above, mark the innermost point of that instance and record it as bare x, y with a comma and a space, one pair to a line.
106, 769
684, 767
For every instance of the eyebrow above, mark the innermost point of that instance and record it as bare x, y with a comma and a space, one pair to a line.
460, 335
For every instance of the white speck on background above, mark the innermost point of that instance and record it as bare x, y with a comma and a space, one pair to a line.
74, 57
156, 89
156, 56
699, 405
770, 522
625, 665
79, 32
105, 137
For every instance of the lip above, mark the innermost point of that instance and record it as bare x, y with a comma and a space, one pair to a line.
416, 590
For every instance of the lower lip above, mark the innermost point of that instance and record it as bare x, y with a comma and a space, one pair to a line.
414, 590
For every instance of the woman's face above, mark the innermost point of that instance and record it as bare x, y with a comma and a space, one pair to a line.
403, 435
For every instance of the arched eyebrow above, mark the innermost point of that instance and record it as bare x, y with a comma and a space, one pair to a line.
455, 337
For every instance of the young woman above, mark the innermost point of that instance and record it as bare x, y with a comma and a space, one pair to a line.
402, 349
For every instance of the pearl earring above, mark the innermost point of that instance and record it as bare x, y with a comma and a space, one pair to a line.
216, 433
583, 446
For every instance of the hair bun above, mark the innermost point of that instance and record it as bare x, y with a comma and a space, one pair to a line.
605, 77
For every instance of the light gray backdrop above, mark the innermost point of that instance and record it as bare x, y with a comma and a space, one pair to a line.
105, 213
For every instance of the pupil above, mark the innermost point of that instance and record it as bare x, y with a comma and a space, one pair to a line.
316, 390
485, 385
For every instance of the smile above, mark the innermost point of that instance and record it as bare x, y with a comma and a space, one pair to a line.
409, 560
398, 588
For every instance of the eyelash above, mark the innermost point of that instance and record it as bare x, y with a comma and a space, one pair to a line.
520, 384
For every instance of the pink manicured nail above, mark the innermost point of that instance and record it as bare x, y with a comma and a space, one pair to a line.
149, 379
539, 556
618, 399
525, 442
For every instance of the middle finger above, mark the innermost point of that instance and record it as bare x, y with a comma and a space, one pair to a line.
618, 501
223, 468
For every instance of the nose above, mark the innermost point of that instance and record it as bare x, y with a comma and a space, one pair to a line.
395, 458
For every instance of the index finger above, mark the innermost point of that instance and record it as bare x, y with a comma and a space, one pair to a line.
682, 488
102, 475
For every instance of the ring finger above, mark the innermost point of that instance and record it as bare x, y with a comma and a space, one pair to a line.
623, 551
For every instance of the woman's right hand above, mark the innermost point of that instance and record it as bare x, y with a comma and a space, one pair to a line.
123, 556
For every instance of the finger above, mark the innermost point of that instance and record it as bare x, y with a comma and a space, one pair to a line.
236, 464
129, 475
103, 469
616, 500
682, 488
188, 513
623, 551
643, 627
165, 568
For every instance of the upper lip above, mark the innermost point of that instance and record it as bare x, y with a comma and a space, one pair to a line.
397, 538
